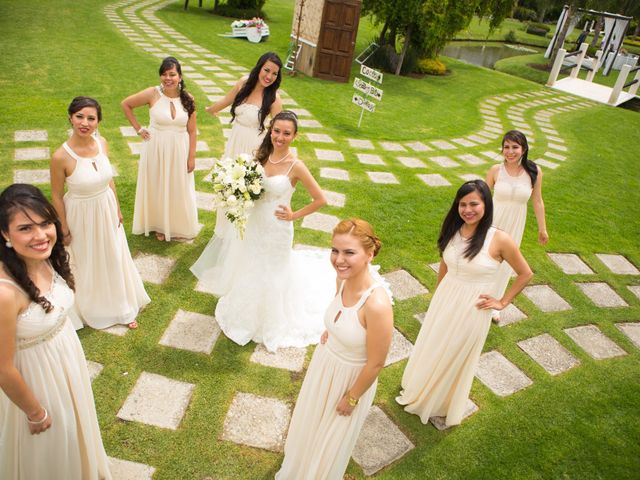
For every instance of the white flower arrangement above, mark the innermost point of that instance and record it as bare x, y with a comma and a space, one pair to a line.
237, 183
254, 22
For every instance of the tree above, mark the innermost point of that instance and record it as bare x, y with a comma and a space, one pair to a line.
428, 25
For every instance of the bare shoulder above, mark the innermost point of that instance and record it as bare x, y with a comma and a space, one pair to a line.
379, 304
59, 157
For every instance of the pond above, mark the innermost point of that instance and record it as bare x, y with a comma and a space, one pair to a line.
484, 54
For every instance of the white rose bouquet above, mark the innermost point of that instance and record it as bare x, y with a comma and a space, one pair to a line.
237, 183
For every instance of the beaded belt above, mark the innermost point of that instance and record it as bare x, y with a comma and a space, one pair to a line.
24, 343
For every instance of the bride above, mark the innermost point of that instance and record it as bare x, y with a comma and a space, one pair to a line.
270, 293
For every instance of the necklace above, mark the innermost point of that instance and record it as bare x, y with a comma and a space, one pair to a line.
281, 160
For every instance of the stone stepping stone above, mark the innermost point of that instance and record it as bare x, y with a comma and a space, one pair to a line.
157, 400
334, 199
289, 101
400, 348
549, 353
31, 176
135, 147
555, 146
594, 342
545, 298
309, 123
191, 331
94, 369
392, 147
301, 112
555, 156
635, 289
32, 153
194, 75
329, 155
404, 285
412, 162
224, 75
501, 376
471, 159
434, 180
419, 147
30, 136
470, 176
366, 144
547, 164
128, 132
118, 330
205, 201
334, 174
478, 139
127, 470
290, 358
443, 145
320, 221
464, 142
215, 98
210, 68
602, 294
439, 422
498, 130
555, 139
380, 443
319, 138
382, 177
205, 163
510, 314
618, 264
444, 162
370, 159
201, 82
154, 268
212, 90
257, 421
491, 155
570, 263
632, 331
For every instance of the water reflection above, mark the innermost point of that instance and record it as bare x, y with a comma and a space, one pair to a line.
484, 54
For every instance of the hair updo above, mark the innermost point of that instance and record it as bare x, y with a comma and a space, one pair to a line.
362, 230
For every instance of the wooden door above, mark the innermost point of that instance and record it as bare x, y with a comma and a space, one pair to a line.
337, 40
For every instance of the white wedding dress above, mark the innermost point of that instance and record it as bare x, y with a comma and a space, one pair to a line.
270, 293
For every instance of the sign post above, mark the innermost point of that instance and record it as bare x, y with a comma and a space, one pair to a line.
368, 89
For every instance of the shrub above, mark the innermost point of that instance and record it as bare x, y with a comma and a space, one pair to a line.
385, 59
510, 37
431, 66
240, 9
524, 14
534, 29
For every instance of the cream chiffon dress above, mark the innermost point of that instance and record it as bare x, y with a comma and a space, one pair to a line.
165, 192
320, 442
109, 289
440, 371
510, 197
50, 359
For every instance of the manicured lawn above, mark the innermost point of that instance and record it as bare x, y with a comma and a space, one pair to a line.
582, 424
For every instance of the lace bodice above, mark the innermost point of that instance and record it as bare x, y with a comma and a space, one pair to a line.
512, 189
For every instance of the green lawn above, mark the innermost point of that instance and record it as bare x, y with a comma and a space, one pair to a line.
583, 424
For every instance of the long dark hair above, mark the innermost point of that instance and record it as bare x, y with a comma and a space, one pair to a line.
269, 94
453, 221
27, 198
266, 147
187, 100
78, 103
529, 166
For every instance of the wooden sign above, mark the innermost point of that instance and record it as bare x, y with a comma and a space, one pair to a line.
362, 103
371, 73
367, 88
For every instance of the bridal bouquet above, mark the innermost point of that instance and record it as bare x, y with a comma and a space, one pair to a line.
237, 183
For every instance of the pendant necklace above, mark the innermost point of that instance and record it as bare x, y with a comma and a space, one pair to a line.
281, 160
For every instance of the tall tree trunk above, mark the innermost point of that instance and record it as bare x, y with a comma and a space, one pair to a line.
381, 39
541, 14
637, 31
596, 32
407, 40
393, 31
563, 33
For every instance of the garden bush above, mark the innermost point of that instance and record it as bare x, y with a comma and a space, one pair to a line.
510, 37
524, 14
240, 9
431, 66
539, 29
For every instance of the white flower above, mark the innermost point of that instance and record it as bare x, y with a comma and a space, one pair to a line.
231, 200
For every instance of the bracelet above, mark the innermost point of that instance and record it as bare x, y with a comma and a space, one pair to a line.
350, 400
39, 422
140, 130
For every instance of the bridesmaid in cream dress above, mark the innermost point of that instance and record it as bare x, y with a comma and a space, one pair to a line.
48, 423
440, 370
341, 381
253, 98
514, 181
165, 191
109, 287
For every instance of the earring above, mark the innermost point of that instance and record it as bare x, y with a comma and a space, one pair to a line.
8, 244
